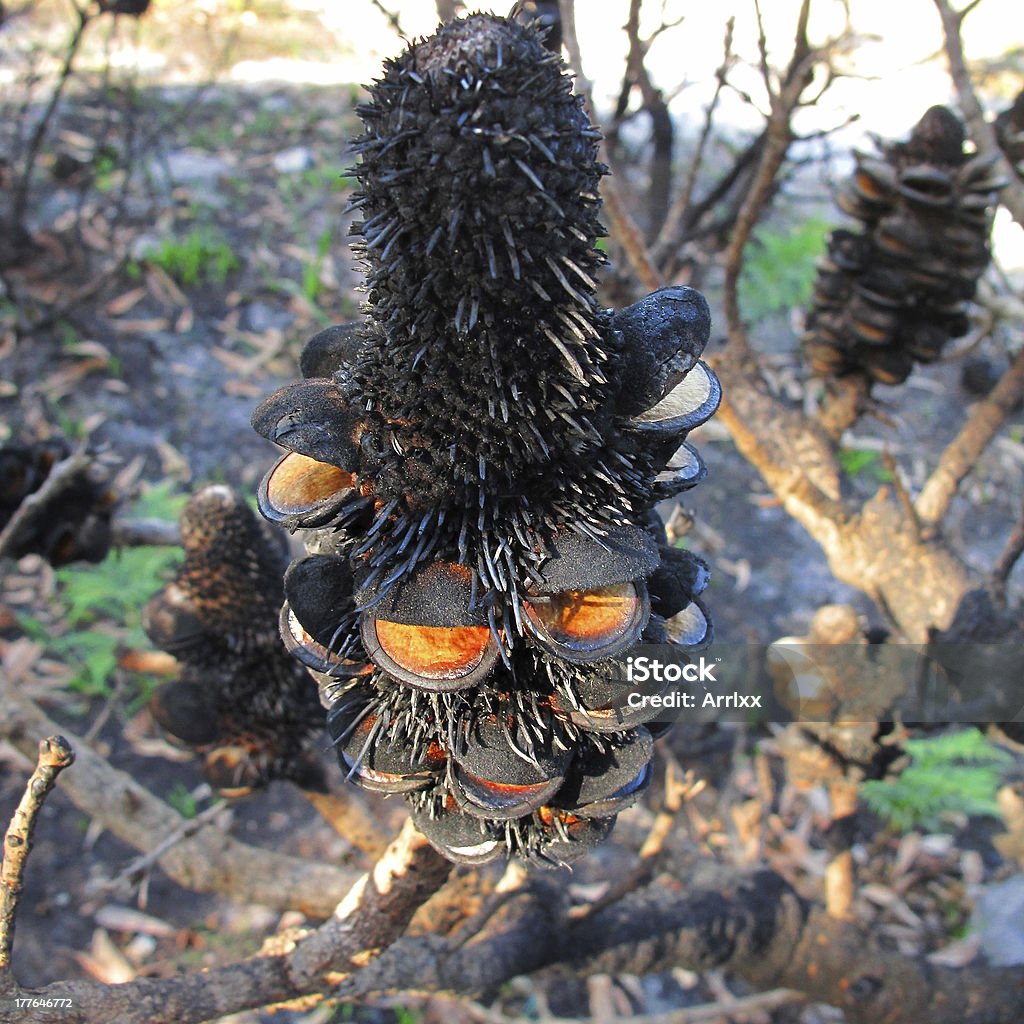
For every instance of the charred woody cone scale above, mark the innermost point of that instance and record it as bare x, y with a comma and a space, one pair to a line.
476, 461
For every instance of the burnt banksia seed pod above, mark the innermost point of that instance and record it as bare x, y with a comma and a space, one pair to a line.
73, 501
893, 292
241, 703
475, 463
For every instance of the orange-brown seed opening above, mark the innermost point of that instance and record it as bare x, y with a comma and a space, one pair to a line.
587, 618
300, 483
434, 652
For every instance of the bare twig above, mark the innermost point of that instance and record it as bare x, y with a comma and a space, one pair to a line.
372, 915
962, 454
680, 787
982, 131
133, 873
209, 861
874, 548
135, 533
19, 202
662, 130
392, 18
844, 403
902, 494
55, 754
1010, 554
669, 237
624, 227
779, 135
630, 237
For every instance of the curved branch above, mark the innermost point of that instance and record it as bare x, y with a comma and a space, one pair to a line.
982, 132
962, 454
754, 926
209, 861
54, 755
372, 915
876, 548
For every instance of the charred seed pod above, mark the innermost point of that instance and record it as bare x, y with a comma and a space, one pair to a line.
893, 292
475, 462
245, 707
1010, 133
69, 519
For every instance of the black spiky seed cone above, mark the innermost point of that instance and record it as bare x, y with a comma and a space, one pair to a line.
474, 463
247, 709
893, 293
488, 352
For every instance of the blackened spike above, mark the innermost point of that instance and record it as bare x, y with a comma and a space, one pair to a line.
564, 281
570, 359
579, 272
540, 439
539, 289
492, 263
535, 140
434, 239
528, 171
571, 324
492, 622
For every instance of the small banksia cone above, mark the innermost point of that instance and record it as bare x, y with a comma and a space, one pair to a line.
1010, 133
894, 291
476, 461
72, 502
241, 703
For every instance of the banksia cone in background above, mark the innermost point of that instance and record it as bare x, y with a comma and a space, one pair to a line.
241, 703
477, 461
1010, 133
894, 292
54, 503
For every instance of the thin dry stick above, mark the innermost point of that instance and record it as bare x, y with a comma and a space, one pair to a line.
209, 861
902, 494
982, 131
392, 17
669, 236
137, 533
374, 913
1008, 559
680, 788
624, 228
844, 403
20, 201
962, 454
55, 754
779, 135
137, 868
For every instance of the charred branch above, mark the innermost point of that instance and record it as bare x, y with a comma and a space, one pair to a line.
208, 861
